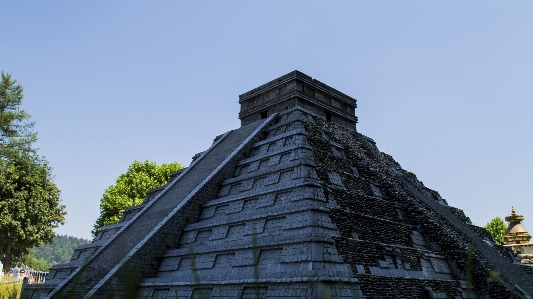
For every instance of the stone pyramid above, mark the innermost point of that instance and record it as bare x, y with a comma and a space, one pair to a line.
293, 204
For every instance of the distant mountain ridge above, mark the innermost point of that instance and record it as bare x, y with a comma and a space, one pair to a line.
59, 251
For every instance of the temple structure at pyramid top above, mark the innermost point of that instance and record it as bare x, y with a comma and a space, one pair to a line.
296, 89
293, 204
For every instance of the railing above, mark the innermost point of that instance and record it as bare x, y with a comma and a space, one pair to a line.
30, 276
35, 276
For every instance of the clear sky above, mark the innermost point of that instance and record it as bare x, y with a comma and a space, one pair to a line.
445, 87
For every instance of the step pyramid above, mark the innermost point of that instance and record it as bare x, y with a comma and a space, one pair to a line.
293, 204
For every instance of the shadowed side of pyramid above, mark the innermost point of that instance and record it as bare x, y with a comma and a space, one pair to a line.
401, 236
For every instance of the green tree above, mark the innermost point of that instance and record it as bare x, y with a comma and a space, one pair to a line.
130, 189
16, 129
29, 200
496, 227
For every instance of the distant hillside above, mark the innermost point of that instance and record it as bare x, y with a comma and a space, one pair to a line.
60, 251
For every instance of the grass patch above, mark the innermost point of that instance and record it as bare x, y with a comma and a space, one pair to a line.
10, 289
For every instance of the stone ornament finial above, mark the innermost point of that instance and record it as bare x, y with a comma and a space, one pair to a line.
514, 218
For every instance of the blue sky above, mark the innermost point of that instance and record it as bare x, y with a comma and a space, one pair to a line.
445, 87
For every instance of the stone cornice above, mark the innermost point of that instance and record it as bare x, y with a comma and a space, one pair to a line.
301, 95
297, 75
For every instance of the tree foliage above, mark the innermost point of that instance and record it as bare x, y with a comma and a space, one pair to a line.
29, 200
16, 129
130, 189
496, 227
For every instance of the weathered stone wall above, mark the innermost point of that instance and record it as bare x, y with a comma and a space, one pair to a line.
388, 236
